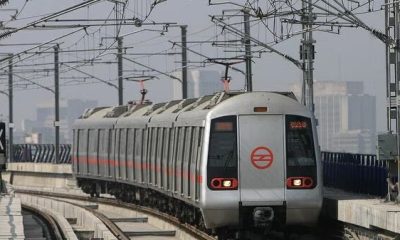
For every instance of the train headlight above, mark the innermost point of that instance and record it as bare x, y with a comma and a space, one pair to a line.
300, 183
227, 183
297, 182
224, 184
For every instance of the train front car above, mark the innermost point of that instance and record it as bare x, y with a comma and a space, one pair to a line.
261, 164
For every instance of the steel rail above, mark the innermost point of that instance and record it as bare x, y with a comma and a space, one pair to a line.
51, 223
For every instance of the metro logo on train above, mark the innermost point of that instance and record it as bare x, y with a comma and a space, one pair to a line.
262, 157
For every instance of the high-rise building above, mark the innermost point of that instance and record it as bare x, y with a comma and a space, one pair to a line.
200, 83
346, 116
44, 123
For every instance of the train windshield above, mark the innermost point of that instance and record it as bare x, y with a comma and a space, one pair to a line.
222, 150
299, 141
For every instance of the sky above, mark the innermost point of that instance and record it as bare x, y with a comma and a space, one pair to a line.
352, 55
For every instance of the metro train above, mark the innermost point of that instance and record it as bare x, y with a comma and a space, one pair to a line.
227, 163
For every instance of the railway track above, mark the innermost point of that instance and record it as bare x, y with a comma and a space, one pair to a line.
40, 225
139, 224
121, 227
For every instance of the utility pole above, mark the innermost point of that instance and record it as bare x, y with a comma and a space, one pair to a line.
120, 72
184, 62
307, 54
249, 75
57, 103
389, 143
10, 108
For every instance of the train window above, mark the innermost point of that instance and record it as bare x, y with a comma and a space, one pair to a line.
92, 143
122, 153
102, 150
222, 150
160, 146
143, 159
154, 155
101, 142
130, 143
112, 152
198, 162
133, 147
187, 158
122, 143
82, 142
170, 157
77, 147
299, 141
138, 151
178, 156
164, 157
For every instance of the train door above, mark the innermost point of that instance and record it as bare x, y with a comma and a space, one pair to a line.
261, 162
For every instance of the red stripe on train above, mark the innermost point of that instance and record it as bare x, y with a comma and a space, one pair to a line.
135, 165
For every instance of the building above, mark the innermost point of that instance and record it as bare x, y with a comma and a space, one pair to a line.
43, 126
346, 116
200, 83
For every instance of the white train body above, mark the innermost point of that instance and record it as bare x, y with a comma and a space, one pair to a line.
237, 159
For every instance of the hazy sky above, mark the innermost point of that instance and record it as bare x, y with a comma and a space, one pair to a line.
354, 55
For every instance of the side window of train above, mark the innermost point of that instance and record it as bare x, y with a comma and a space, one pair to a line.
164, 157
74, 143
82, 142
198, 161
112, 143
122, 144
92, 143
177, 155
101, 143
129, 146
77, 131
108, 147
170, 157
138, 144
75, 146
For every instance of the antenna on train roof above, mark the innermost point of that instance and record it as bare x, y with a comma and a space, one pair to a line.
143, 91
227, 62
141, 80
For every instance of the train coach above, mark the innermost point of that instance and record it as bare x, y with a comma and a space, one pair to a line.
226, 162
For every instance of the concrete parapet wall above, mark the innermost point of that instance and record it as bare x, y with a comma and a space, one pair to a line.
40, 175
362, 210
40, 168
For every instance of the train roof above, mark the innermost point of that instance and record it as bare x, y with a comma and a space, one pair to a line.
165, 113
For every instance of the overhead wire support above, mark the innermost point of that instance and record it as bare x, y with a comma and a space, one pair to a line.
204, 56
90, 75
120, 73
184, 63
57, 103
34, 83
239, 33
307, 53
153, 69
248, 56
10, 108
43, 19
18, 55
